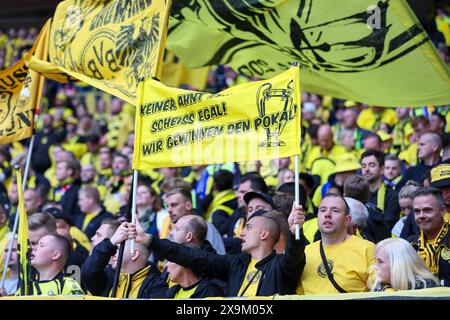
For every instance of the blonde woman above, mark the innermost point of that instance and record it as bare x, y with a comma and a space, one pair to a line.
399, 267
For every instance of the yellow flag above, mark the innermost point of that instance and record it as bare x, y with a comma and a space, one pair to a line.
108, 44
374, 52
21, 92
176, 74
23, 244
256, 120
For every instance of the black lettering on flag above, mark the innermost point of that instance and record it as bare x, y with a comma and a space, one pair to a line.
152, 147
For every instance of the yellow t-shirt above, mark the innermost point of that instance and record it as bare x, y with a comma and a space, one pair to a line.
252, 276
351, 263
185, 294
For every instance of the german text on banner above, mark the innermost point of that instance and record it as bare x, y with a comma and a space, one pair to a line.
23, 244
256, 120
21, 92
109, 44
374, 52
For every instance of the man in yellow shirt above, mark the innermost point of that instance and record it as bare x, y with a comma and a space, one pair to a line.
349, 259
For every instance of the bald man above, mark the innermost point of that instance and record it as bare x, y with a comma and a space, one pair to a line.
256, 271
428, 151
326, 148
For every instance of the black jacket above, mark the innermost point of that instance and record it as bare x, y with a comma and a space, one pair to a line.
391, 206
280, 272
416, 173
375, 229
98, 277
205, 288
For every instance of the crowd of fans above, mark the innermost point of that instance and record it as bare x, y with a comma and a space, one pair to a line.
374, 202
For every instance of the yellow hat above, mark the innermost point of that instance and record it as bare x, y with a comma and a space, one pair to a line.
384, 136
346, 163
440, 175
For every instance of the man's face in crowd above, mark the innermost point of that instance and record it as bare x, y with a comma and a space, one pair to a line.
428, 215
371, 169
257, 204
105, 160
178, 206
179, 230
332, 217
87, 173
372, 143
144, 196
251, 233
36, 235
119, 164
32, 201
241, 191
391, 169
349, 119
446, 195
62, 171
103, 232
425, 147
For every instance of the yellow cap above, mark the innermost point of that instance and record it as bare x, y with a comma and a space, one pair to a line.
440, 175
346, 163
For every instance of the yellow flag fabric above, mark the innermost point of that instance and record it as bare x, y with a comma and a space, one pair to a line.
376, 54
108, 44
23, 244
176, 74
256, 120
21, 92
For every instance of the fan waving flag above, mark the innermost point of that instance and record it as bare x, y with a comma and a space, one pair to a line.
107, 44
375, 52
23, 243
256, 120
21, 92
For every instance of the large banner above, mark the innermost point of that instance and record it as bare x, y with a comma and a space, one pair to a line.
108, 44
257, 120
374, 52
21, 92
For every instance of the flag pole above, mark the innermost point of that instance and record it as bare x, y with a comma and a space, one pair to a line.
122, 247
297, 170
297, 193
133, 206
16, 218
129, 215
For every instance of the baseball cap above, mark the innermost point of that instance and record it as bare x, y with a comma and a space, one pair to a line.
440, 175
264, 196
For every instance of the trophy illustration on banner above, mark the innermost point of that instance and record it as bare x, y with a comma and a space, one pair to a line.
270, 101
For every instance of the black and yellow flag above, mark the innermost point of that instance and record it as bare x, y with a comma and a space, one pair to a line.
21, 92
176, 74
374, 52
23, 243
107, 44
